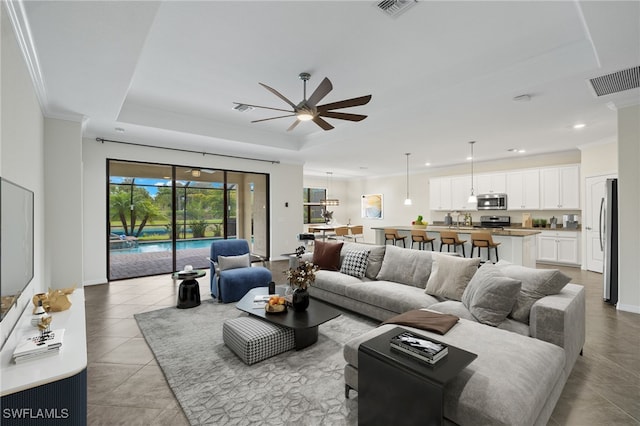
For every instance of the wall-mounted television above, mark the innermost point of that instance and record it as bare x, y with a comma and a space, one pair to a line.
16, 242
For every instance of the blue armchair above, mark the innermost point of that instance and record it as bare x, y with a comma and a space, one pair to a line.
230, 285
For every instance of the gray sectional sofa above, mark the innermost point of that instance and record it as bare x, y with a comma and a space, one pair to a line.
527, 326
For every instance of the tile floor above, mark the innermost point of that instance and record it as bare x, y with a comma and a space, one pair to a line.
126, 386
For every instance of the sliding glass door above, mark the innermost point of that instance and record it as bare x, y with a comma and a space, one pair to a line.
162, 217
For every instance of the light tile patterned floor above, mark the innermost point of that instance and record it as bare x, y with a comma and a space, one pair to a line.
126, 386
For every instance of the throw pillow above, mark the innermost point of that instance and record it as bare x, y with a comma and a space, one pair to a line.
327, 255
400, 265
490, 295
355, 263
450, 275
233, 262
536, 284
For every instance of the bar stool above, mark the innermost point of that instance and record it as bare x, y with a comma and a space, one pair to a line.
391, 234
483, 239
421, 237
450, 238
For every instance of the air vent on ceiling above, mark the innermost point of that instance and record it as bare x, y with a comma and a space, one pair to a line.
616, 82
243, 107
395, 7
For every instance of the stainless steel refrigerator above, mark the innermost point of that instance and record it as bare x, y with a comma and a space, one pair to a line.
609, 240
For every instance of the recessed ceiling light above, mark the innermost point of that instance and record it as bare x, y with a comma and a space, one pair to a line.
469, 158
521, 151
517, 150
427, 164
119, 130
579, 126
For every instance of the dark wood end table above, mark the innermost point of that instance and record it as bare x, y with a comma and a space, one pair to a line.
304, 324
395, 388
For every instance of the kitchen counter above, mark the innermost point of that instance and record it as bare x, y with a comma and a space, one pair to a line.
511, 232
517, 245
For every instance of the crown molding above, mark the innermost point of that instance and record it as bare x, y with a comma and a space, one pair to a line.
19, 22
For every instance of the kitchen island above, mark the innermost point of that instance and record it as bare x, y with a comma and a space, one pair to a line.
516, 245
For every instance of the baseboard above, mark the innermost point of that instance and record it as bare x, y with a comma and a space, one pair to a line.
628, 308
95, 282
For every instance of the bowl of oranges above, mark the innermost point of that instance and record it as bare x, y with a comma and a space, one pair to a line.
275, 305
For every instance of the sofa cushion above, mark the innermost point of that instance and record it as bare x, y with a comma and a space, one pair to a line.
453, 307
327, 255
355, 263
374, 262
406, 266
391, 296
233, 262
334, 281
536, 283
450, 275
490, 296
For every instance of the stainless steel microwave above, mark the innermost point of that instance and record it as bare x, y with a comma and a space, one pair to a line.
492, 202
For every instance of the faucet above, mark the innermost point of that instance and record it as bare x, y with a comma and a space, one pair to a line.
458, 214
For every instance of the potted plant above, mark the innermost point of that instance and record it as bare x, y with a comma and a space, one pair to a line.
419, 223
300, 278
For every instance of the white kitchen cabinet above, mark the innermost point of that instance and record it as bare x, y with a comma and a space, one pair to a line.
523, 190
460, 191
440, 193
491, 183
560, 187
559, 247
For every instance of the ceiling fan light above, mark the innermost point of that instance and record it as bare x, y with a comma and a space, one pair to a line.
304, 116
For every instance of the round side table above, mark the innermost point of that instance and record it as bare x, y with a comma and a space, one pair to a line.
189, 290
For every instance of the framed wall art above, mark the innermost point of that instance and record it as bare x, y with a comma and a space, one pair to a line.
372, 207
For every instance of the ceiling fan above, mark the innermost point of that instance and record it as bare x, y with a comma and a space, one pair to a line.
195, 172
308, 110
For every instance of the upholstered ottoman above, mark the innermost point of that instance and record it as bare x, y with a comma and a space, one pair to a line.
254, 340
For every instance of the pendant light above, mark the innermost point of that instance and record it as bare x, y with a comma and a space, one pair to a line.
407, 201
329, 201
472, 198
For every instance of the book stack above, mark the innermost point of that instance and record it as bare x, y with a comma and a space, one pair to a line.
420, 347
38, 346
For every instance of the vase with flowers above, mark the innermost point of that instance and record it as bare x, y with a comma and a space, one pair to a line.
300, 278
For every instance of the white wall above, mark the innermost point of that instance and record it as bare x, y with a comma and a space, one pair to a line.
628, 208
63, 221
599, 159
285, 187
21, 154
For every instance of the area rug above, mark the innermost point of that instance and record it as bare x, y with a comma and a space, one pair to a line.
214, 387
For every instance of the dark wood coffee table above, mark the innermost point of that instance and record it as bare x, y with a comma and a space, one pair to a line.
304, 324
395, 388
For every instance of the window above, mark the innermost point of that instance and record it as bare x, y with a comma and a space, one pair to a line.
311, 198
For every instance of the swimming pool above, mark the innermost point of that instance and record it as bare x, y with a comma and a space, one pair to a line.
158, 246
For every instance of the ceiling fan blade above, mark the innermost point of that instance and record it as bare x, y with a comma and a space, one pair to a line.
362, 100
264, 107
278, 94
323, 89
342, 115
293, 126
320, 122
273, 118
